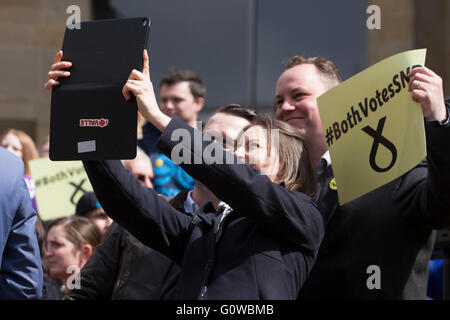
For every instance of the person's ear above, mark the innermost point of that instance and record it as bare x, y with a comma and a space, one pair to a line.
200, 102
86, 252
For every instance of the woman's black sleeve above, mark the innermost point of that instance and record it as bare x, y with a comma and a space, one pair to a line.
292, 216
140, 210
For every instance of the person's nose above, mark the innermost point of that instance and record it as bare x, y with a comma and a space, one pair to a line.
108, 223
148, 183
287, 106
166, 107
283, 110
169, 105
48, 253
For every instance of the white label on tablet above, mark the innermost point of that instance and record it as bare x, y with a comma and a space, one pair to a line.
86, 146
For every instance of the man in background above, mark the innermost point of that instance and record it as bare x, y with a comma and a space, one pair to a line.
182, 95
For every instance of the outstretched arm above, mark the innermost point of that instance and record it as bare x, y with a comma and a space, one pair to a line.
291, 216
140, 210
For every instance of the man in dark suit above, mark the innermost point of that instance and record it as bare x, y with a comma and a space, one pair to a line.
20, 262
377, 246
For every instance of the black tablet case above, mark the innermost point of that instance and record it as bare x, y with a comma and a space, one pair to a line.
102, 53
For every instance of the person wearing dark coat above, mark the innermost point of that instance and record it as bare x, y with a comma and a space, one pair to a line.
377, 246
263, 241
122, 268
261, 249
21, 274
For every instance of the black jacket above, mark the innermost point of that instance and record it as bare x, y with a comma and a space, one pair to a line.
390, 227
122, 268
264, 249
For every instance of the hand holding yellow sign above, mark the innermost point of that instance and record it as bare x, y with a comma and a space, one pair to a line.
59, 186
374, 130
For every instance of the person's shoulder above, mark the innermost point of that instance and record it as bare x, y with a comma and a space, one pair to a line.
11, 165
9, 159
115, 231
11, 178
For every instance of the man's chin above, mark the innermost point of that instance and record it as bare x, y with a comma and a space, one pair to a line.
297, 123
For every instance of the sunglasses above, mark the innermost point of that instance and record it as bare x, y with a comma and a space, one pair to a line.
143, 177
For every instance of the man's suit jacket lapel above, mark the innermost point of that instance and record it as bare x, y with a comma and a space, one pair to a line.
328, 199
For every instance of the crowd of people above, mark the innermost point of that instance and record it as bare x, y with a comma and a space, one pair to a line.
259, 222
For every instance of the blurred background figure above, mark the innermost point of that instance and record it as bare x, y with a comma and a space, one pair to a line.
141, 168
435, 285
20, 143
122, 268
69, 244
51, 286
182, 95
44, 148
20, 265
89, 207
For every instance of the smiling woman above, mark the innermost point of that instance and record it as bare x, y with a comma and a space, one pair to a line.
274, 147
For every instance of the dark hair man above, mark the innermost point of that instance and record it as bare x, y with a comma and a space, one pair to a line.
182, 94
377, 246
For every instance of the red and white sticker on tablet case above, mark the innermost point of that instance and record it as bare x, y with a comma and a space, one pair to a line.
94, 122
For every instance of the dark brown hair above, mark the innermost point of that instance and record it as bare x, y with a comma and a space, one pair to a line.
174, 76
40, 235
238, 110
79, 231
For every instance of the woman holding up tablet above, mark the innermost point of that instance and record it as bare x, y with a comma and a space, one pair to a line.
263, 241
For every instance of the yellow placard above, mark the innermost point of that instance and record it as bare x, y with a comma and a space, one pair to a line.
374, 130
59, 186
